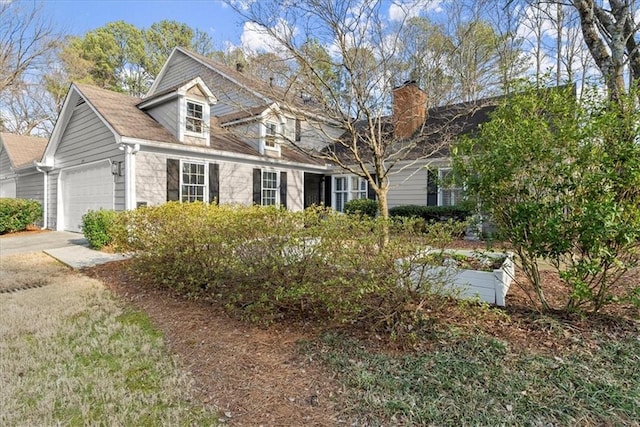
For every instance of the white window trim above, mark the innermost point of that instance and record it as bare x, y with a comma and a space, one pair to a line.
186, 110
349, 191
205, 195
277, 188
263, 136
441, 189
182, 119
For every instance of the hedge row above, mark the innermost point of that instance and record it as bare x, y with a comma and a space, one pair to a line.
18, 214
267, 264
432, 213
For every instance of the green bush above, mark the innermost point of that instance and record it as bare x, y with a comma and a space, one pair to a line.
365, 207
432, 213
17, 214
266, 264
98, 227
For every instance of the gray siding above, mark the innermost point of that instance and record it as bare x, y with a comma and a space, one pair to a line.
31, 186
408, 186
230, 97
5, 164
86, 139
167, 115
52, 213
236, 179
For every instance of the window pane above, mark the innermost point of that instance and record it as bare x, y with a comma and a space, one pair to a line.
194, 119
193, 182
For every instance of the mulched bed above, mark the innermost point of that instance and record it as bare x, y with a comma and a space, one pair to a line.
258, 376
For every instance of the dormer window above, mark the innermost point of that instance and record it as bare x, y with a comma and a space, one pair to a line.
270, 139
195, 117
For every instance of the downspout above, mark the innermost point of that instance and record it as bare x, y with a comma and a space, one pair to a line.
45, 198
130, 174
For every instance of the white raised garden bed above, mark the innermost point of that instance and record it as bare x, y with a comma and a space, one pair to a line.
487, 286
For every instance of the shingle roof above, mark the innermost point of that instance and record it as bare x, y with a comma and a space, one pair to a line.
122, 113
442, 127
23, 150
267, 90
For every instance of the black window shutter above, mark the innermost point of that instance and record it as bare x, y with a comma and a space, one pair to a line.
370, 193
283, 189
432, 187
214, 183
327, 190
173, 180
257, 186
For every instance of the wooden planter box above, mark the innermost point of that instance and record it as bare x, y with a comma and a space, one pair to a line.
487, 286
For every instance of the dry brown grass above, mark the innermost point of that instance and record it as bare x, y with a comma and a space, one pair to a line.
70, 354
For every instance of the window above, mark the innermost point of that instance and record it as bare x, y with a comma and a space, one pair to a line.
270, 140
348, 188
449, 194
193, 185
195, 117
269, 188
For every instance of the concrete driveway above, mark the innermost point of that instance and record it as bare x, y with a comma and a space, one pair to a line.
71, 249
20, 244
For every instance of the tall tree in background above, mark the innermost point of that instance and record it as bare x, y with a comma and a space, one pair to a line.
611, 33
161, 38
121, 57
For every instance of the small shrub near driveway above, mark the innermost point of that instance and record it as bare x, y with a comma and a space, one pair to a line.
97, 227
18, 214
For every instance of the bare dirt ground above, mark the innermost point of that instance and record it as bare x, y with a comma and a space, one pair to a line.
257, 376
253, 376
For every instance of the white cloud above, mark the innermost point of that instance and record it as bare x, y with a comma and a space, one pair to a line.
401, 10
256, 38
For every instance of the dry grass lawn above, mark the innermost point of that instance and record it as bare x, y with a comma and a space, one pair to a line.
70, 354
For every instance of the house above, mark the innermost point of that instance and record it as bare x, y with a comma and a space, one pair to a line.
418, 155
203, 132
19, 176
208, 132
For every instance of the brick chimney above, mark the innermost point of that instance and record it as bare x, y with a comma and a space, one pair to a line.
409, 109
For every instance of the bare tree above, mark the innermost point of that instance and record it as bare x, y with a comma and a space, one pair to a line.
27, 38
363, 51
611, 33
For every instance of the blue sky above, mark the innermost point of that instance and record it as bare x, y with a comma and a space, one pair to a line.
213, 16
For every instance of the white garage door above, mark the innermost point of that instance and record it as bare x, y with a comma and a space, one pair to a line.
8, 187
83, 189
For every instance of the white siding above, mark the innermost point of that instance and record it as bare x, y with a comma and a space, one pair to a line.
295, 190
236, 179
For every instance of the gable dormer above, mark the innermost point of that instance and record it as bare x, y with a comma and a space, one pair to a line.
184, 110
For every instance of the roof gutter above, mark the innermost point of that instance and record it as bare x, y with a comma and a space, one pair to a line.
223, 154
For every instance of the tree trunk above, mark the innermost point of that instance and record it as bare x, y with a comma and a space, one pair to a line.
383, 206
